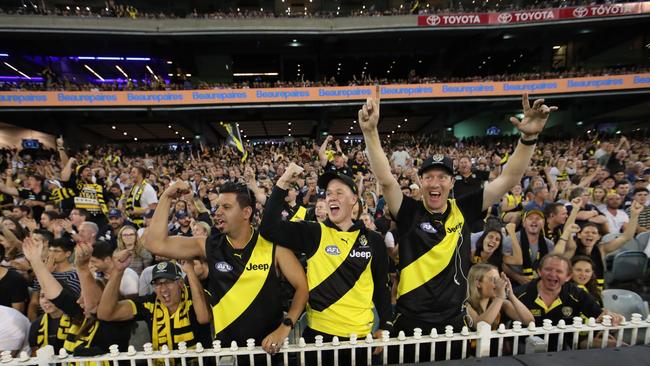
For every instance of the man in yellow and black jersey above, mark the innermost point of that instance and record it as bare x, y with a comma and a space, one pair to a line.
291, 210
50, 328
556, 216
141, 197
173, 314
87, 194
347, 265
434, 248
244, 268
555, 297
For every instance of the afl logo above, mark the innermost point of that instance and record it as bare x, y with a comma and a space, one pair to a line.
504, 18
332, 250
428, 228
223, 267
580, 12
433, 20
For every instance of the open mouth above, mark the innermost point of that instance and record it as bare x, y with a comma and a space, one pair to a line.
435, 194
334, 209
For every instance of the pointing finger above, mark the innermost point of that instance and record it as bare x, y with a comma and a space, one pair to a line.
524, 102
377, 93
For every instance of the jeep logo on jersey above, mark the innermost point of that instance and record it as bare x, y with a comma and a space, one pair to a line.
455, 228
332, 250
364, 254
223, 267
256, 267
428, 228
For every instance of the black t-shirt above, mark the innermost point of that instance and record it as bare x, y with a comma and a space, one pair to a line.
28, 194
357, 167
571, 302
475, 181
178, 232
420, 231
105, 333
55, 336
329, 167
145, 310
13, 289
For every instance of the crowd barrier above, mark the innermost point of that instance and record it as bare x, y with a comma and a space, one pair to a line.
485, 342
324, 94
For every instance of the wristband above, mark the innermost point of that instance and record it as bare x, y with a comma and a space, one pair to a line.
528, 142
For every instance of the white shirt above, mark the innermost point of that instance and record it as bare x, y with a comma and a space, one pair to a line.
129, 284
148, 196
14, 332
615, 222
400, 157
389, 240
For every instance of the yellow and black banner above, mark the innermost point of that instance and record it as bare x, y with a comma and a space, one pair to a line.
234, 138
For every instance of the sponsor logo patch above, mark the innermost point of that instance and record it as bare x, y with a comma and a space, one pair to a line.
332, 250
223, 267
428, 228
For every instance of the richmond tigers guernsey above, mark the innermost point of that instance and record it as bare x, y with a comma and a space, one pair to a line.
434, 254
171, 329
245, 288
347, 271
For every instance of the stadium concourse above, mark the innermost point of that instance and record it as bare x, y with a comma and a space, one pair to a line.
254, 183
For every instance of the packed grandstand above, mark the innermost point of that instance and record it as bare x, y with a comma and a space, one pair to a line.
402, 194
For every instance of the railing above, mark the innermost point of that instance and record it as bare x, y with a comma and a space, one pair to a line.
395, 350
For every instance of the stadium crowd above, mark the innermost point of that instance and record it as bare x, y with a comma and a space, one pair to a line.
53, 82
112, 9
202, 245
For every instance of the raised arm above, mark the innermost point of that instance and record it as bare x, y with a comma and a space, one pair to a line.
516, 259
368, 121
530, 126
8, 186
628, 233
110, 308
50, 287
586, 181
322, 151
156, 236
249, 176
199, 301
66, 172
299, 235
565, 244
90, 291
61, 149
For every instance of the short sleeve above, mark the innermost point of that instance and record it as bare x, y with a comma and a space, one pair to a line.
507, 245
141, 307
148, 196
389, 240
588, 305
20, 293
406, 213
67, 302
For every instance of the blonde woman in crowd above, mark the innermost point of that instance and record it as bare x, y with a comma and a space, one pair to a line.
127, 238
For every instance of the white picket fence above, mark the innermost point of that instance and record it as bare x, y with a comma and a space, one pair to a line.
634, 331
